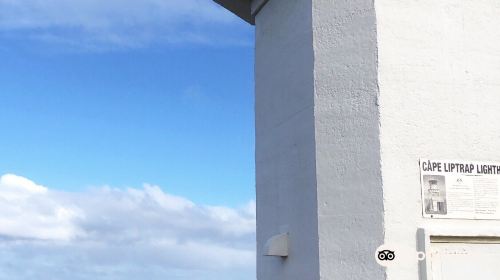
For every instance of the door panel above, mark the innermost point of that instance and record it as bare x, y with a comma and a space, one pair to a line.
461, 261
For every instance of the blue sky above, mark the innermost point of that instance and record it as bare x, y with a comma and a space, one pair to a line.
175, 114
117, 110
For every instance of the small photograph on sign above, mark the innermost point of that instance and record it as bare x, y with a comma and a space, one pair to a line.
434, 194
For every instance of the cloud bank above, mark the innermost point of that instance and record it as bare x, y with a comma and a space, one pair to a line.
98, 24
111, 233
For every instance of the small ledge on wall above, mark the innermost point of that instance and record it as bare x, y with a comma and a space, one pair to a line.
277, 246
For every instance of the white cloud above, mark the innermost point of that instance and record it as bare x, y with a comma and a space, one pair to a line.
109, 233
98, 24
18, 187
27, 211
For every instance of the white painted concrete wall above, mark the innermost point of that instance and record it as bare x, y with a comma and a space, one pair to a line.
317, 142
439, 78
350, 206
285, 149
350, 94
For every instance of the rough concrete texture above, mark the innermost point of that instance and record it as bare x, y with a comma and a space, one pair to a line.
285, 149
317, 142
349, 184
439, 73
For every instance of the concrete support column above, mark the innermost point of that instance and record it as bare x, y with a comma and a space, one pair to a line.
285, 139
317, 139
346, 118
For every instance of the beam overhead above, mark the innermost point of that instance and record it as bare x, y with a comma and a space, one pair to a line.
241, 8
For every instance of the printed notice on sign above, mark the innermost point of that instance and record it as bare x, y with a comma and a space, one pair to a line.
460, 189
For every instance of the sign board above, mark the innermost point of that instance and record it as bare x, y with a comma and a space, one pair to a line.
460, 189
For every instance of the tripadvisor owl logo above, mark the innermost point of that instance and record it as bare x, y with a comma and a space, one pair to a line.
397, 255
386, 255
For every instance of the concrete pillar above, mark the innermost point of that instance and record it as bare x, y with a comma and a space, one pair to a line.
350, 94
317, 142
287, 192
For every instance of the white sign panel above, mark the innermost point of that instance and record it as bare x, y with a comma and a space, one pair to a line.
460, 189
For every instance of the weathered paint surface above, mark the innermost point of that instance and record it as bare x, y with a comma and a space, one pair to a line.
439, 73
350, 205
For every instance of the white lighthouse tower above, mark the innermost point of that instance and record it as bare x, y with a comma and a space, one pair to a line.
351, 97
